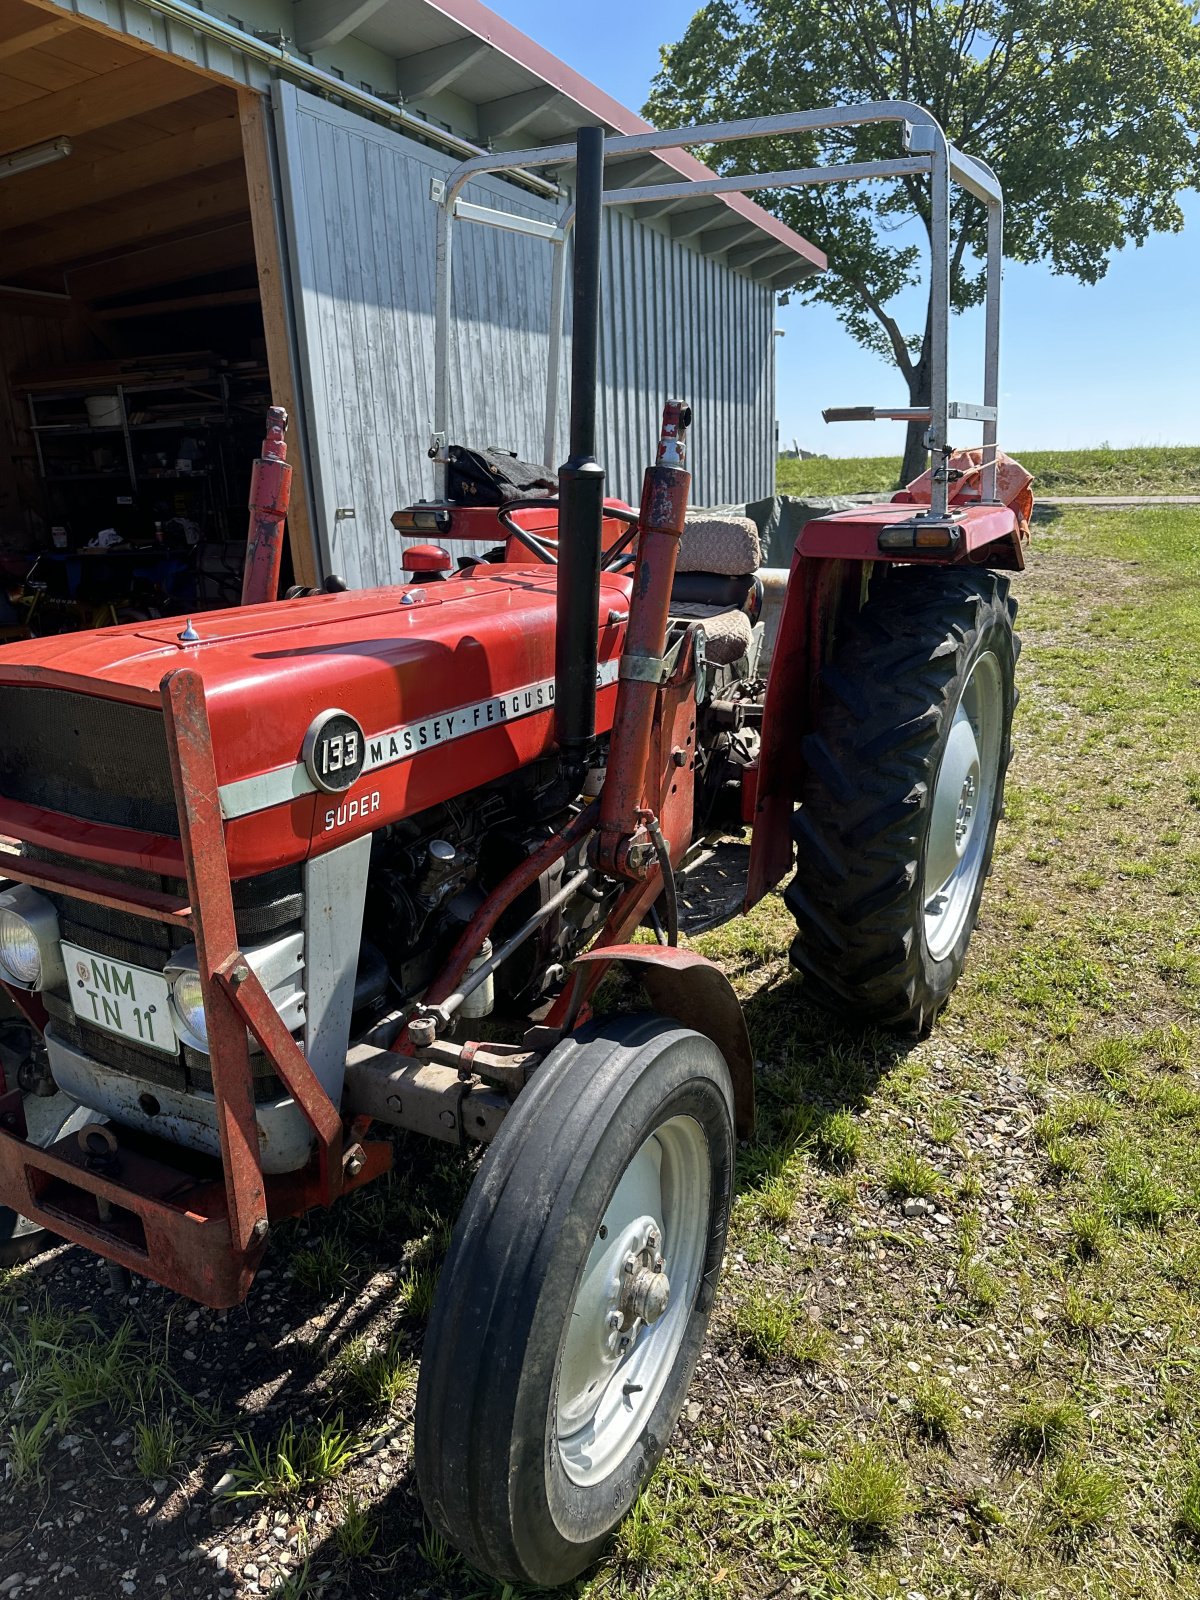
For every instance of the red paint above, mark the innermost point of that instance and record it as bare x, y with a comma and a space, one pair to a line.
426, 558
268, 670
693, 989
660, 528
270, 495
190, 746
84, 885
854, 535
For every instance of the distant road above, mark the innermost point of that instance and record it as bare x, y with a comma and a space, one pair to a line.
1116, 499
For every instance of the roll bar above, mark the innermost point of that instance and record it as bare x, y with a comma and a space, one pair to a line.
928, 151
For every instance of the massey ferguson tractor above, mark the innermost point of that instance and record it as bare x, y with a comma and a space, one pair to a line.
299, 869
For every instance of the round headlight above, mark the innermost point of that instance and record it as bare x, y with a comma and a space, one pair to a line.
20, 954
188, 1000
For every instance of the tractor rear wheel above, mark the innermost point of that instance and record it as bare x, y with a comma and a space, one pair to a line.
902, 793
574, 1299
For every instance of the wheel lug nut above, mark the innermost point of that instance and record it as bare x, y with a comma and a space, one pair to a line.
613, 1320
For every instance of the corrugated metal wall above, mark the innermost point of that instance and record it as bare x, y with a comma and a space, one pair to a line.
361, 236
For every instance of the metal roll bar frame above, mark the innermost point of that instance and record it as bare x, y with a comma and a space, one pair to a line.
929, 151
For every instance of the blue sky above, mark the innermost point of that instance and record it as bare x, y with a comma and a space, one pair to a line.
1116, 364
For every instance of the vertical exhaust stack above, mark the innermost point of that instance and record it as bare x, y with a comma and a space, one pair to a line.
581, 479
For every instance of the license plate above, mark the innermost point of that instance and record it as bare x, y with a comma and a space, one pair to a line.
120, 998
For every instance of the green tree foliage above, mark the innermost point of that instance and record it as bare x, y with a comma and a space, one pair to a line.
1088, 110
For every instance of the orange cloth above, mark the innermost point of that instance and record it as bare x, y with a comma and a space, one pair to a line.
1013, 484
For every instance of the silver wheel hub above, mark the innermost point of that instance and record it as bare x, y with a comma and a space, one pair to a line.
629, 1316
964, 795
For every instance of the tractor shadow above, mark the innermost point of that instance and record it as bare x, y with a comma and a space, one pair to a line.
328, 1343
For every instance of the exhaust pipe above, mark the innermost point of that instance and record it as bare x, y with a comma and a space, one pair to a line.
581, 480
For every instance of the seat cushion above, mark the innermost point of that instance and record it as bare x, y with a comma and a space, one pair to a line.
722, 544
727, 634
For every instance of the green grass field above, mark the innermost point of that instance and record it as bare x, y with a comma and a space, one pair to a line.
997, 1398
1066, 472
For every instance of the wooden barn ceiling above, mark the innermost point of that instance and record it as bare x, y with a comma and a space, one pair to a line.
154, 190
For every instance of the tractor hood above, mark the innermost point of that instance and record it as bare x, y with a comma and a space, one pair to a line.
447, 686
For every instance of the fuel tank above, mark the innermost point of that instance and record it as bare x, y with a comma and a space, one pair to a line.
441, 687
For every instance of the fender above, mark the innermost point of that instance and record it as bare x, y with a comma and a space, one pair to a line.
686, 986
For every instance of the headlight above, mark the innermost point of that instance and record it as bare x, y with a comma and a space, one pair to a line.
20, 953
30, 955
188, 999
278, 965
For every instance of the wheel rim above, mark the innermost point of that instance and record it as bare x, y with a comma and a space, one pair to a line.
634, 1300
964, 798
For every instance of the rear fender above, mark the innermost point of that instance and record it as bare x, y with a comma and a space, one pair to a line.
682, 984
987, 535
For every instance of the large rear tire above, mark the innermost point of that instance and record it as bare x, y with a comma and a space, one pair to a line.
903, 790
574, 1299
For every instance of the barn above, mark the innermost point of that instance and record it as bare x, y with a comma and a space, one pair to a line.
203, 212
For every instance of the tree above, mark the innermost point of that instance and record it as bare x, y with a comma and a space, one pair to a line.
1088, 110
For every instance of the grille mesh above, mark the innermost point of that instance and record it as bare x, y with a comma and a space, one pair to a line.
86, 757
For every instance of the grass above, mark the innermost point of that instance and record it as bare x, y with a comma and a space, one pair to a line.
770, 1327
376, 1378
1152, 470
1078, 1498
866, 1494
356, 1531
910, 1177
293, 1462
935, 1412
159, 1446
1040, 1427
838, 1139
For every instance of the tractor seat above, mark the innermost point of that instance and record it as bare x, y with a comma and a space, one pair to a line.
715, 582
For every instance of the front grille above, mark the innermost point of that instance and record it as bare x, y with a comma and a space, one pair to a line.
264, 908
90, 758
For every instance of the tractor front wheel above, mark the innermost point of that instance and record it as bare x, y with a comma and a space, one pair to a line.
903, 791
574, 1299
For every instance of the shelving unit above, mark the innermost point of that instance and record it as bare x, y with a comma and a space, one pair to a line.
172, 410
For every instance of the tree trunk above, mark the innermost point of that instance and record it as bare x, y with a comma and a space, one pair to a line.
916, 457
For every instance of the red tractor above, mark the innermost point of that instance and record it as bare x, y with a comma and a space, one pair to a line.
310, 865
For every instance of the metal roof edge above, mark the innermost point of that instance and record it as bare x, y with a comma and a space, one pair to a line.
486, 24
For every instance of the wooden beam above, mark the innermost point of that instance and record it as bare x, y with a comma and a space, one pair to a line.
649, 209
108, 97
156, 266
500, 119
73, 183
185, 302
631, 172
321, 23
155, 212
15, 44
785, 277
268, 251
689, 223
714, 240
747, 254
34, 302
430, 71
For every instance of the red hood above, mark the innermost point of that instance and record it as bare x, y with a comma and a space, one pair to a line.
391, 658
